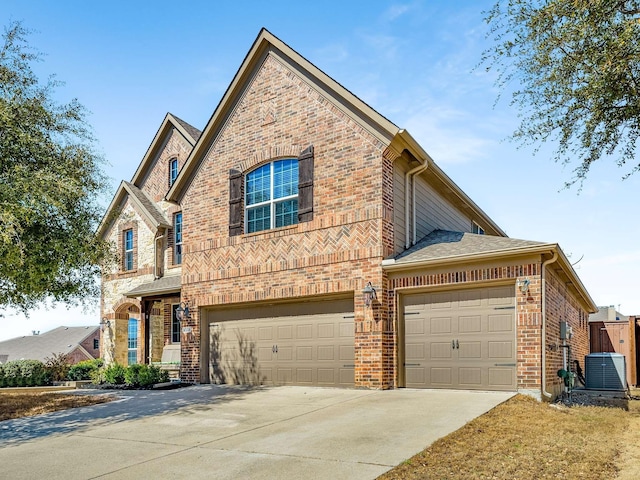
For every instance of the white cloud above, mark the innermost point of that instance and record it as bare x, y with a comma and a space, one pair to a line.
395, 11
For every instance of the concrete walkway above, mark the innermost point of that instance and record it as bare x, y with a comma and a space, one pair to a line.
219, 432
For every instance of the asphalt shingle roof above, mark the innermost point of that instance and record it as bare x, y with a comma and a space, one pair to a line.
39, 347
167, 284
191, 130
445, 244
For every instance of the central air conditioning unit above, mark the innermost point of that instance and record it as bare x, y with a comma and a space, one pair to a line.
605, 371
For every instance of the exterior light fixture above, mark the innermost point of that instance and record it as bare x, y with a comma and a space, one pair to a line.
524, 285
182, 311
105, 323
368, 294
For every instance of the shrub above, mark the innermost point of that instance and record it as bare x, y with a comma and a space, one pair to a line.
24, 373
57, 366
2, 377
114, 374
145, 375
84, 369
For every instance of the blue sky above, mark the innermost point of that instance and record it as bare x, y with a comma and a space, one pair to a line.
130, 62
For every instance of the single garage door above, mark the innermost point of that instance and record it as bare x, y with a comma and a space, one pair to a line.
308, 343
462, 339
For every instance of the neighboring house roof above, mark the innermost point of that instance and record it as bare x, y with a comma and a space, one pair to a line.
366, 117
145, 207
608, 314
39, 347
442, 247
159, 286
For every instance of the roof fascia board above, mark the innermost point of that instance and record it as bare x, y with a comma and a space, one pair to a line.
265, 44
116, 202
168, 122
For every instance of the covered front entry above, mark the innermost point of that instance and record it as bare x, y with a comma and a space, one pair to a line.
310, 343
462, 339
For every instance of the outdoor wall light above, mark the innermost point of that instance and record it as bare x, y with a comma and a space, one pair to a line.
183, 311
524, 285
368, 294
105, 323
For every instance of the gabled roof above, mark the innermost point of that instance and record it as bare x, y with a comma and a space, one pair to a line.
444, 248
190, 134
39, 347
376, 124
268, 44
145, 207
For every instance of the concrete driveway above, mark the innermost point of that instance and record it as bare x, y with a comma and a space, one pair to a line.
219, 432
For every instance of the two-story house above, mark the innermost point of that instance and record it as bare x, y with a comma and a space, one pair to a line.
303, 238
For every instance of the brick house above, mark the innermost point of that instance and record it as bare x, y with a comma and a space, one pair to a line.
316, 243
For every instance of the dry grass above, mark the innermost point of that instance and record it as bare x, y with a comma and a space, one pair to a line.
16, 405
525, 439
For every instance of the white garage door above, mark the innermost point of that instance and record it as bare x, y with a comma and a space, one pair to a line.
291, 344
462, 339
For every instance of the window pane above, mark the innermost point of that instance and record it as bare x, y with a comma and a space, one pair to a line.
258, 218
175, 324
132, 344
287, 213
132, 357
173, 171
128, 261
128, 240
285, 178
259, 185
177, 240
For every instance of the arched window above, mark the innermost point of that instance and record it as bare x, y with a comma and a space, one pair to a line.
271, 196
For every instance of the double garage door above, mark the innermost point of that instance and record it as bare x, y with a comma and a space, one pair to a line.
309, 343
462, 339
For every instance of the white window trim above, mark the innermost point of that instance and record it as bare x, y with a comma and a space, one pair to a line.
131, 250
272, 202
477, 229
172, 179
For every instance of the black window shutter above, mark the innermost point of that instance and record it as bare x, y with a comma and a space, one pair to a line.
305, 185
235, 203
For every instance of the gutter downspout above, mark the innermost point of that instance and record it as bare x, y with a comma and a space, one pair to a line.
407, 214
544, 326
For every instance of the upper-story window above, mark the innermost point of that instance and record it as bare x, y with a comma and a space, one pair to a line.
177, 238
475, 228
271, 196
128, 249
173, 170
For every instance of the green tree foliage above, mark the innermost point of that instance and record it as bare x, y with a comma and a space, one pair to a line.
577, 67
50, 182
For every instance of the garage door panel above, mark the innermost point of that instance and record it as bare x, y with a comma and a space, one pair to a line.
501, 322
309, 344
440, 325
501, 350
470, 377
470, 350
414, 326
438, 351
471, 346
470, 324
441, 376
501, 378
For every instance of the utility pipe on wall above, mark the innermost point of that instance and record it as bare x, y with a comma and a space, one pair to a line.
407, 214
544, 325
